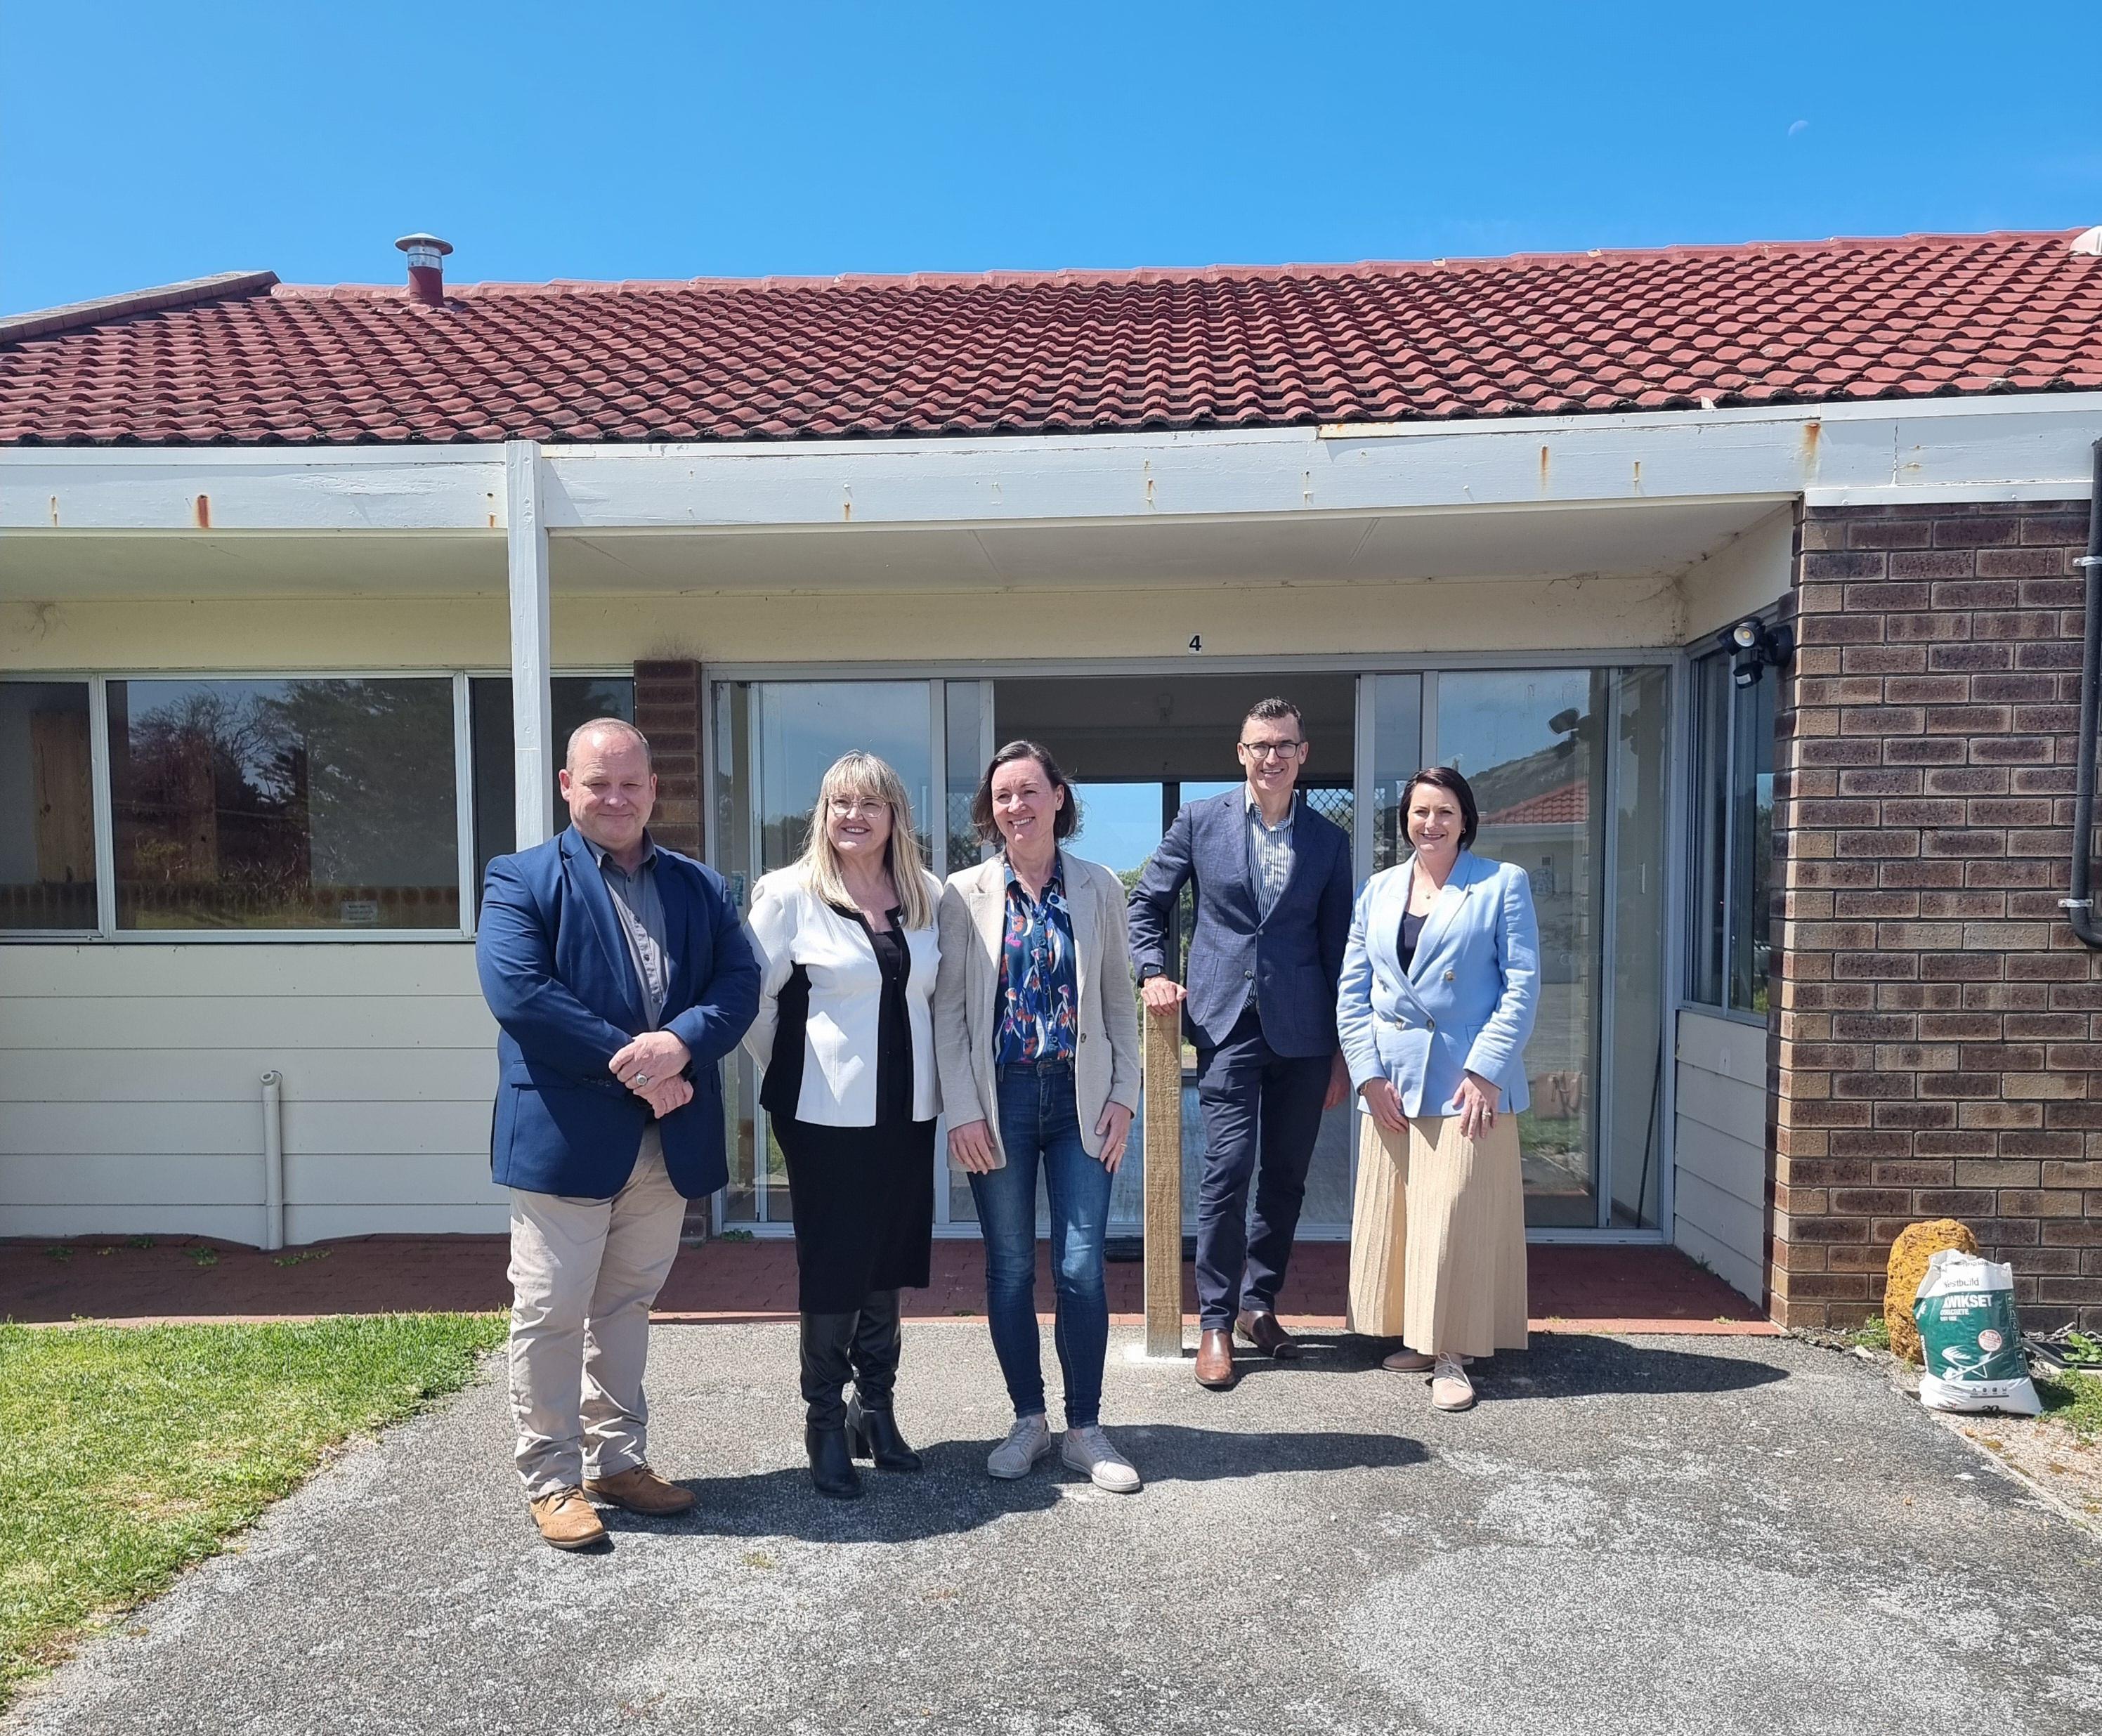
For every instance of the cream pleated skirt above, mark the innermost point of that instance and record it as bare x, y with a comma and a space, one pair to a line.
1438, 1237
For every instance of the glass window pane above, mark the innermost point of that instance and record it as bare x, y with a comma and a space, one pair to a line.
804, 726
1640, 744
1751, 845
1397, 756
47, 806
572, 700
964, 708
731, 844
1708, 890
307, 804
1528, 743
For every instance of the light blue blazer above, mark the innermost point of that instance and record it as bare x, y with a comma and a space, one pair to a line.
1466, 1004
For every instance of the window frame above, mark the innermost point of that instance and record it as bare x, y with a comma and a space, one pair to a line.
106, 930
1737, 733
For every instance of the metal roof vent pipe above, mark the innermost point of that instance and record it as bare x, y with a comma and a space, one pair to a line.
427, 267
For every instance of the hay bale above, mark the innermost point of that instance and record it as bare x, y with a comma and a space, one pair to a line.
1909, 1253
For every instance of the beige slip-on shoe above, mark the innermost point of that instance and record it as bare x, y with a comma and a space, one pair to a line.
1407, 1362
641, 1490
566, 1519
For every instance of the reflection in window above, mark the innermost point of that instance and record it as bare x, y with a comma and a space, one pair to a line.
47, 806
573, 699
1732, 892
1397, 756
304, 804
1531, 745
964, 714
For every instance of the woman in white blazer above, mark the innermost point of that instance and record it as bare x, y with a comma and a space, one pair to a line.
1037, 1034
848, 960
1439, 984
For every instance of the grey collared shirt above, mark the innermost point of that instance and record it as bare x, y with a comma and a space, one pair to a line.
635, 901
1270, 852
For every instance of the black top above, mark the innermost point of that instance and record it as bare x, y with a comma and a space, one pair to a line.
781, 1090
1412, 931
893, 1024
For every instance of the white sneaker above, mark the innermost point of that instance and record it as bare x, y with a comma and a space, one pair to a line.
1088, 1451
1026, 1442
1450, 1388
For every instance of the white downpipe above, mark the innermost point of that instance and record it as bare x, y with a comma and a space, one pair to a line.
273, 1160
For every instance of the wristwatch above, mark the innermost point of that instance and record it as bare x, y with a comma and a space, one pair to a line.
1146, 972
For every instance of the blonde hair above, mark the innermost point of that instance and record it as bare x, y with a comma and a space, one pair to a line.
863, 775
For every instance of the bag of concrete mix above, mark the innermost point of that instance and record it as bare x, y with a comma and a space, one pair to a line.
1970, 1337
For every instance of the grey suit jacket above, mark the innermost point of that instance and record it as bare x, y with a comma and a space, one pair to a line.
1292, 959
973, 931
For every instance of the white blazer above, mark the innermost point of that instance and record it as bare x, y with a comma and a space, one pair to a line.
791, 928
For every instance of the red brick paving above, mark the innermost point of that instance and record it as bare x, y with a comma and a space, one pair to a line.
1574, 1289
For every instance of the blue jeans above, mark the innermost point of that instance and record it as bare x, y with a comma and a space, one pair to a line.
1039, 1127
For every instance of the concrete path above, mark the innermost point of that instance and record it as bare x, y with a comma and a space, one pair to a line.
1642, 1535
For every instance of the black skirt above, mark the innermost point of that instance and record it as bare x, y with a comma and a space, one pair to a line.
863, 1199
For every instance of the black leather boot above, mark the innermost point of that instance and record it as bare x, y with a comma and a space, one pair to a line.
826, 1347
873, 1434
832, 1472
871, 1430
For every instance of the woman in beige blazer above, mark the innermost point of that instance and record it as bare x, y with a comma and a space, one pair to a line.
1036, 1042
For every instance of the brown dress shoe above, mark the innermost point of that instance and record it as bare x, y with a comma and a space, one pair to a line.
641, 1490
1215, 1360
1264, 1332
567, 1520
1407, 1362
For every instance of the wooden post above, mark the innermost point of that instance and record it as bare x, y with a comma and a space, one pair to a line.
1163, 1183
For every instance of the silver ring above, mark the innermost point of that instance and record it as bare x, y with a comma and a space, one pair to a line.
640, 1079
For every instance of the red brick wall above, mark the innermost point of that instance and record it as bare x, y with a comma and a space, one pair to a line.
1939, 1035
667, 710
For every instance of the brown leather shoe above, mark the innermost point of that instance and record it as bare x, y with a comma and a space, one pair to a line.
567, 1520
641, 1490
1264, 1331
1215, 1360
1407, 1362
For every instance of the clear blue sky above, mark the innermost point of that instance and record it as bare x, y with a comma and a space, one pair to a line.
143, 143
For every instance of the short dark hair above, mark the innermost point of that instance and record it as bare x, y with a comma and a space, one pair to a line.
1068, 821
1448, 779
1271, 710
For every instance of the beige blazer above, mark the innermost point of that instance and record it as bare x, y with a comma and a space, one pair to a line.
973, 924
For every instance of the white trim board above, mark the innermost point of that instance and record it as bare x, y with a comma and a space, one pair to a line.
2024, 447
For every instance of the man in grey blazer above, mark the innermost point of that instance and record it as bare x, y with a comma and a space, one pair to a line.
1273, 888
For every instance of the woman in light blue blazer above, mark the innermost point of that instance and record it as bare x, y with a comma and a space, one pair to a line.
1437, 998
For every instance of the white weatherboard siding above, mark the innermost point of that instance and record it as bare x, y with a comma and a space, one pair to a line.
131, 1095
1718, 1199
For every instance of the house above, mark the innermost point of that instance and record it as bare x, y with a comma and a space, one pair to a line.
1743, 581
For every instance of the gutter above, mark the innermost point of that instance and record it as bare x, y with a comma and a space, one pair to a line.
2079, 907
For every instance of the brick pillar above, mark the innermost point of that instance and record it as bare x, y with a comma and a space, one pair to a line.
1938, 1045
667, 709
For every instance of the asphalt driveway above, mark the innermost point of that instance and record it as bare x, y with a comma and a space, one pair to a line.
1649, 1535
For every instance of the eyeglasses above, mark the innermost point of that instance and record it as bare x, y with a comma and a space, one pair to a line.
1271, 750
849, 807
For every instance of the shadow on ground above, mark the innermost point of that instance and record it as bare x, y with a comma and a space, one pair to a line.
953, 1494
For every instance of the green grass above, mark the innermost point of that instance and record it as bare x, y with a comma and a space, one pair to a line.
128, 1454
1873, 1333
2075, 1400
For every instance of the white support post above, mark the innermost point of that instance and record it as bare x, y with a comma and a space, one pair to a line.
532, 644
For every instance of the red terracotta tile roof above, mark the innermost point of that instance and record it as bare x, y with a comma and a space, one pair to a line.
1010, 353
1568, 806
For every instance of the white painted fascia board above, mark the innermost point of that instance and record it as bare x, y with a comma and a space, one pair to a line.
275, 488
2024, 447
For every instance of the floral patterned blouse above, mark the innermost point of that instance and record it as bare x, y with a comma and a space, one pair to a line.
1038, 987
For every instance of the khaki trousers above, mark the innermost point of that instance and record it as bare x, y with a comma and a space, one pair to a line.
1438, 1237
583, 1273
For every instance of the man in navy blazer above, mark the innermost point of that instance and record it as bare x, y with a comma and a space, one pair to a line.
1273, 886
619, 976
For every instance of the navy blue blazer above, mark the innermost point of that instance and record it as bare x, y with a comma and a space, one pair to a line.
557, 974
1293, 959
